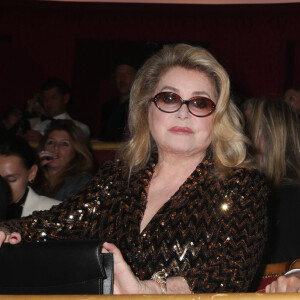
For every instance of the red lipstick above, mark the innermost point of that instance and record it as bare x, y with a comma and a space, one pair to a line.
181, 130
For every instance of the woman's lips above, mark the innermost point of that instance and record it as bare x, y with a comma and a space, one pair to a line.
181, 130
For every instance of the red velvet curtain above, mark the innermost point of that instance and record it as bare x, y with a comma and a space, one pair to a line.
42, 40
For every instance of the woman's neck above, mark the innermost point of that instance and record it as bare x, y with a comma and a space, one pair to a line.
52, 173
176, 165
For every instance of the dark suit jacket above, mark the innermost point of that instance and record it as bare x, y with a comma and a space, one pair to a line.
3, 198
284, 211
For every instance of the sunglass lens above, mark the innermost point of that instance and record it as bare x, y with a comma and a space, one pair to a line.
168, 101
201, 106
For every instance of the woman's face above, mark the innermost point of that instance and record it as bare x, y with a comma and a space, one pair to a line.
60, 145
181, 132
13, 171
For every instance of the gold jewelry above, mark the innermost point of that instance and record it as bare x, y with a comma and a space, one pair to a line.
161, 278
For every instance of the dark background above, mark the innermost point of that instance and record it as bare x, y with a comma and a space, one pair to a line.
259, 45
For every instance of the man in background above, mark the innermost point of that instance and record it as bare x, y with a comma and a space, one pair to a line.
115, 112
55, 95
292, 96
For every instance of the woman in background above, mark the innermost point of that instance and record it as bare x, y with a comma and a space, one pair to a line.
18, 167
66, 160
275, 131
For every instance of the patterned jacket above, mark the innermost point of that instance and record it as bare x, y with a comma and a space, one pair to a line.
211, 232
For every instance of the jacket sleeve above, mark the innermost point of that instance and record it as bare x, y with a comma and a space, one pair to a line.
74, 218
230, 250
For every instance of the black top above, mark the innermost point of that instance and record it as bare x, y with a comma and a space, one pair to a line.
284, 225
3, 198
114, 120
14, 210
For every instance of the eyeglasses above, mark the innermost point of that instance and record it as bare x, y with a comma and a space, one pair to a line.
170, 102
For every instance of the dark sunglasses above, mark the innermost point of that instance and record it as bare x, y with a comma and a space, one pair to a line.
198, 106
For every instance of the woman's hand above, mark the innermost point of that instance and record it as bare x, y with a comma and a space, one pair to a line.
285, 284
125, 282
11, 238
46, 157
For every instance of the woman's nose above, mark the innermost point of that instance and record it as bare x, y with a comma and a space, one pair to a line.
183, 112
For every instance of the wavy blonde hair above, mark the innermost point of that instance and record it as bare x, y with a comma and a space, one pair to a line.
229, 144
274, 128
82, 163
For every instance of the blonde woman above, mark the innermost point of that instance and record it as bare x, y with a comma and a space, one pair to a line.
185, 206
275, 130
66, 160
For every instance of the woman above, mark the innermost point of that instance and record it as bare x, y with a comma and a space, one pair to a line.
275, 130
183, 204
18, 167
66, 160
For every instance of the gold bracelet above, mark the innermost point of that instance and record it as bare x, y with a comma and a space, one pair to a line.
161, 278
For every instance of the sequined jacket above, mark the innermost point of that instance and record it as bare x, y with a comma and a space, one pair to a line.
211, 232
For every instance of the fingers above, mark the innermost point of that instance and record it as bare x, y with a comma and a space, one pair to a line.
284, 284
2, 237
125, 281
46, 157
120, 264
111, 248
11, 238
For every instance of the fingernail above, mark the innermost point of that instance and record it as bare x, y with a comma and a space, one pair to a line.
42, 151
13, 238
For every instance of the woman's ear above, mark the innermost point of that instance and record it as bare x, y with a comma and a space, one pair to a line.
32, 173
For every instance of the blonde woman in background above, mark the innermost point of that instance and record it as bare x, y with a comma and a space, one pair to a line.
66, 160
275, 130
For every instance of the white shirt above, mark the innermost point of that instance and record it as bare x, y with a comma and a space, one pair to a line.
36, 202
42, 125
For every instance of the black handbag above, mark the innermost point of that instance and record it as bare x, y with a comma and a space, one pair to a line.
55, 267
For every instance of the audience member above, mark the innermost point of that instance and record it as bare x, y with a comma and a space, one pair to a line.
114, 113
66, 160
274, 128
183, 203
18, 167
292, 96
55, 95
34, 110
4, 195
13, 122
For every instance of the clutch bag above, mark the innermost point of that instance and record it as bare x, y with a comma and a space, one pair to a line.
56, 267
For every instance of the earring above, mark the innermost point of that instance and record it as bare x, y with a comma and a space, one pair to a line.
31, 181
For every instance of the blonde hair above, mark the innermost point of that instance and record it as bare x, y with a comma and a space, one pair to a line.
82, 163
274, 128
228, 141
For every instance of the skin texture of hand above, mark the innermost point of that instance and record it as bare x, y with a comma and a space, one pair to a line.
45, 157
125, 282
11, 238
285, 284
